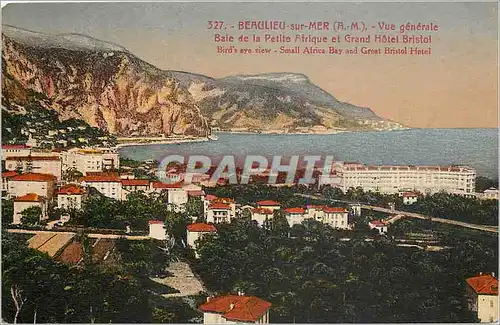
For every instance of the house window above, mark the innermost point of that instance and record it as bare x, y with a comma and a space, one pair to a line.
491, 303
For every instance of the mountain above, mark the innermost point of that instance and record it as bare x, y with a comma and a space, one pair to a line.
98, 82
276, 101
106, 86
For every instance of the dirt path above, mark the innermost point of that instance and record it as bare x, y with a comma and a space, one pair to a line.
183, 279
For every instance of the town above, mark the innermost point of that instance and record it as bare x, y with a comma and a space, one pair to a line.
59, 195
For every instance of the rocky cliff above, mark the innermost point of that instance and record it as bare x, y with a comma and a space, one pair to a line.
100, 83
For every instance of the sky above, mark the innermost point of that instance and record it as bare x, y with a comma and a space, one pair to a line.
455, 87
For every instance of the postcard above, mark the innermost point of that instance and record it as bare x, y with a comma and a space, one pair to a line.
249, 162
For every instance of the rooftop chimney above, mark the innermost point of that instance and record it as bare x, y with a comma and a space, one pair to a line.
208, 299
240, 293
493, 274
480, 273
231, 306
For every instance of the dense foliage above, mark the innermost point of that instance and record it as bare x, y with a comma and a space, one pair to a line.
99, 211
48, 292
457, 207
315, 277
484, 183
37, 289
251, 193
39, 121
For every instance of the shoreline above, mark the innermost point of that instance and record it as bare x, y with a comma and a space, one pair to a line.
162, 141
332, 132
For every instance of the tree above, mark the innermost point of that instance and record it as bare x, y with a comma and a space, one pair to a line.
484, 183
194, 207
7, 211
71, 175
280, 225
31, 216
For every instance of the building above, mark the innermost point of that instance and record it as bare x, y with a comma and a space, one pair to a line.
157, 229
410, 197
90, 160
219, 213
197, 230
35, 164
380, 225
315, 212
6, 176
109, 185
355, 210
207, 201
36, 152
489, 194
71, 197
193, 190
261, 215
482, 297
295, 216
235, 309
393, 179
24, 202
15, 150
41, 184
211, 199
176, 194
132, 185
337, 218
269, 204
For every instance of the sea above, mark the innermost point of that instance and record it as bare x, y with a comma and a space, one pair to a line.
477, 148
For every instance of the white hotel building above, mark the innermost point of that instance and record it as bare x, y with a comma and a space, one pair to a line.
90, 160
394, 179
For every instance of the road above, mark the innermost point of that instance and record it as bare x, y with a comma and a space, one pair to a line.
401, 214
434, 219
108, 236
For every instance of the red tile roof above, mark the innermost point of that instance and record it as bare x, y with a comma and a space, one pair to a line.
195, 193
262, 211
15, 146
237, 308
71, 190
100, 178
33, 158
377, 223
225, 200
9, 174
30, 197
156, 222
34, 177
201, 227
295, 210
102, 174
268, 203
332, 210
210, 197
166, 185
220, 206
316, 207
135, 182
484, 284
410, 194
